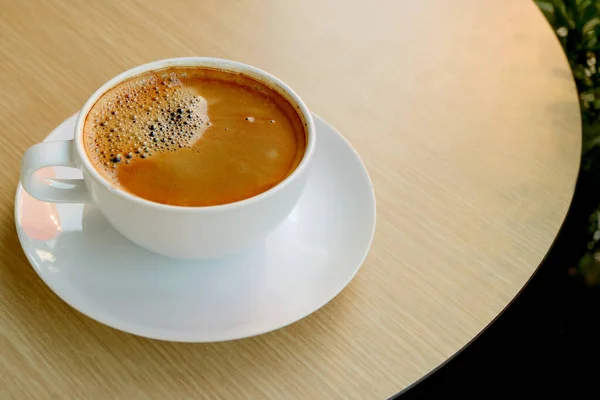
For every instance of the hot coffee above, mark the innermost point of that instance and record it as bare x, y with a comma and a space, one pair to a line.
194, 136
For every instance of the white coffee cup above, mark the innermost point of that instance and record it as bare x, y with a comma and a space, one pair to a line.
173, 231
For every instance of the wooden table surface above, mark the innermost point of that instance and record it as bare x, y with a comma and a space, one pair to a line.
464, 112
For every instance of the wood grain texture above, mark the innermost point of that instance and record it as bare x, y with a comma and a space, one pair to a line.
464, 112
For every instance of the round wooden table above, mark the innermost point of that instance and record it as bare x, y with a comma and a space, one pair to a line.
464, 112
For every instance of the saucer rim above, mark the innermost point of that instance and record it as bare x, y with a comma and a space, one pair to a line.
164, 335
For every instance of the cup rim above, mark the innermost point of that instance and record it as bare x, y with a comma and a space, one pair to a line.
208, 62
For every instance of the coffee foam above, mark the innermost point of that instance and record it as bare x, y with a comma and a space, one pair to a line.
142, 117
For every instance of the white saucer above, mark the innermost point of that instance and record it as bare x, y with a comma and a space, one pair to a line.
299, 268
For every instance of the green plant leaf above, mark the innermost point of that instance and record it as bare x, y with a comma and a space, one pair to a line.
591, 25
547, 9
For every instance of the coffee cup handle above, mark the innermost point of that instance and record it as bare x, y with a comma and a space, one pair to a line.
52, 190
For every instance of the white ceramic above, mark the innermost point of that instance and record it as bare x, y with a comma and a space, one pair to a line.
179, 232
295, 270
